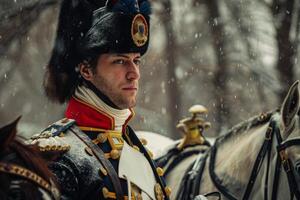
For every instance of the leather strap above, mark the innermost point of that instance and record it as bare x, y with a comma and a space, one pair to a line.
266, 147
190, 184
17, 170
99, 154
137, 142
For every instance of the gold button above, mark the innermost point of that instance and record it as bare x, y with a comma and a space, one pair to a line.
105, 192
143, 141
160, 171
114, 154
168, 190
89, 151
102, 171
102, 137
136, 147
158, 192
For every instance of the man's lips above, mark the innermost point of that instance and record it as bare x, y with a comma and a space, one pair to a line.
129, 88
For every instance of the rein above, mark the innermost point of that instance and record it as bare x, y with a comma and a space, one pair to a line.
7, 166
282, 160
17, 170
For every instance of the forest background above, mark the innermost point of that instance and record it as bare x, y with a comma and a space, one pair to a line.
235, 57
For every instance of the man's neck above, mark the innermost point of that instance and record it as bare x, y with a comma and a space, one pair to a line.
85, 95
102, 96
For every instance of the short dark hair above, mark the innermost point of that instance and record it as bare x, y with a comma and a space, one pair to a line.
68, 81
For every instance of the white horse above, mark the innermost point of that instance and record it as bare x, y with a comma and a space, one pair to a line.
257, 159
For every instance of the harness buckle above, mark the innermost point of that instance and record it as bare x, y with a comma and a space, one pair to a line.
286, 165
269, 133
284, 160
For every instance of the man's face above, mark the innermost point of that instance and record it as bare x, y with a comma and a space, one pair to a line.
117, 76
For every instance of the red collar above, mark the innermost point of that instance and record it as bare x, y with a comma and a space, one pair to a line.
89, 116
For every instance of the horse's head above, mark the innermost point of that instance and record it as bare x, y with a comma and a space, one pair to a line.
23, 173
289, 147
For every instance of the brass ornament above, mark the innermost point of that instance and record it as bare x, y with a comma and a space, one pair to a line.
144, 141
160, 171
105, 192
262, 117
136, 147
158, 192
115, 139
193, 127
139, 30
168, 190
150, 154
115, 154
102, 138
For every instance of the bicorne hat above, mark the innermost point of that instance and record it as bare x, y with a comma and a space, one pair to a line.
88, 28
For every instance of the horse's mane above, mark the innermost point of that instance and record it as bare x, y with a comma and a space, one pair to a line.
31, 158
245, 125
14, 152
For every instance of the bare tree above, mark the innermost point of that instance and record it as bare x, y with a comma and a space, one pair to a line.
17, 18
174, 104
283, 12
221, 91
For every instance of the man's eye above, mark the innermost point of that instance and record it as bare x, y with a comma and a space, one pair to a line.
119, 61
137, 62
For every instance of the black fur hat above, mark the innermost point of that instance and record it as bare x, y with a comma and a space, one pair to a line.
88, 28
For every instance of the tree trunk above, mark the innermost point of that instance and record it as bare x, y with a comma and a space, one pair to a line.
174, 105
286, 47
220, 77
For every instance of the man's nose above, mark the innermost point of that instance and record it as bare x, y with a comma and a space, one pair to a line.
133, 72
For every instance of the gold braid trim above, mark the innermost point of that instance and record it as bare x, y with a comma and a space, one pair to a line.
27, 174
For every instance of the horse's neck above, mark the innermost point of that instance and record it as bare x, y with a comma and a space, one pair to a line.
236, 157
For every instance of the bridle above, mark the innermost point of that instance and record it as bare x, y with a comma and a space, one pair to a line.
282, 160
7, 167
287, 165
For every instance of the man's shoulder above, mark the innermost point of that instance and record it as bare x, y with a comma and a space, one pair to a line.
54, 138
58, 142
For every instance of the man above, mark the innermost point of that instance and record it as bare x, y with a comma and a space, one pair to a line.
94, 67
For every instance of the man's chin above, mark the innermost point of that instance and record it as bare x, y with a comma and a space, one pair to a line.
129, 103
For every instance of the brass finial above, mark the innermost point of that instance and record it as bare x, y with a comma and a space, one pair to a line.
193, 127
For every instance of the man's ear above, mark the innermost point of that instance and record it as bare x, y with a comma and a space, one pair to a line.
86, 71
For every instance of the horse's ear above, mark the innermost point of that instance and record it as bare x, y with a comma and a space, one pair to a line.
8, 133
290, 105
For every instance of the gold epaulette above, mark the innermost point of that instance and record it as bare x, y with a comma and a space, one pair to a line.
51, 138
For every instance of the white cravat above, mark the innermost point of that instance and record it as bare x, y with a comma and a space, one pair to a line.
87, 95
